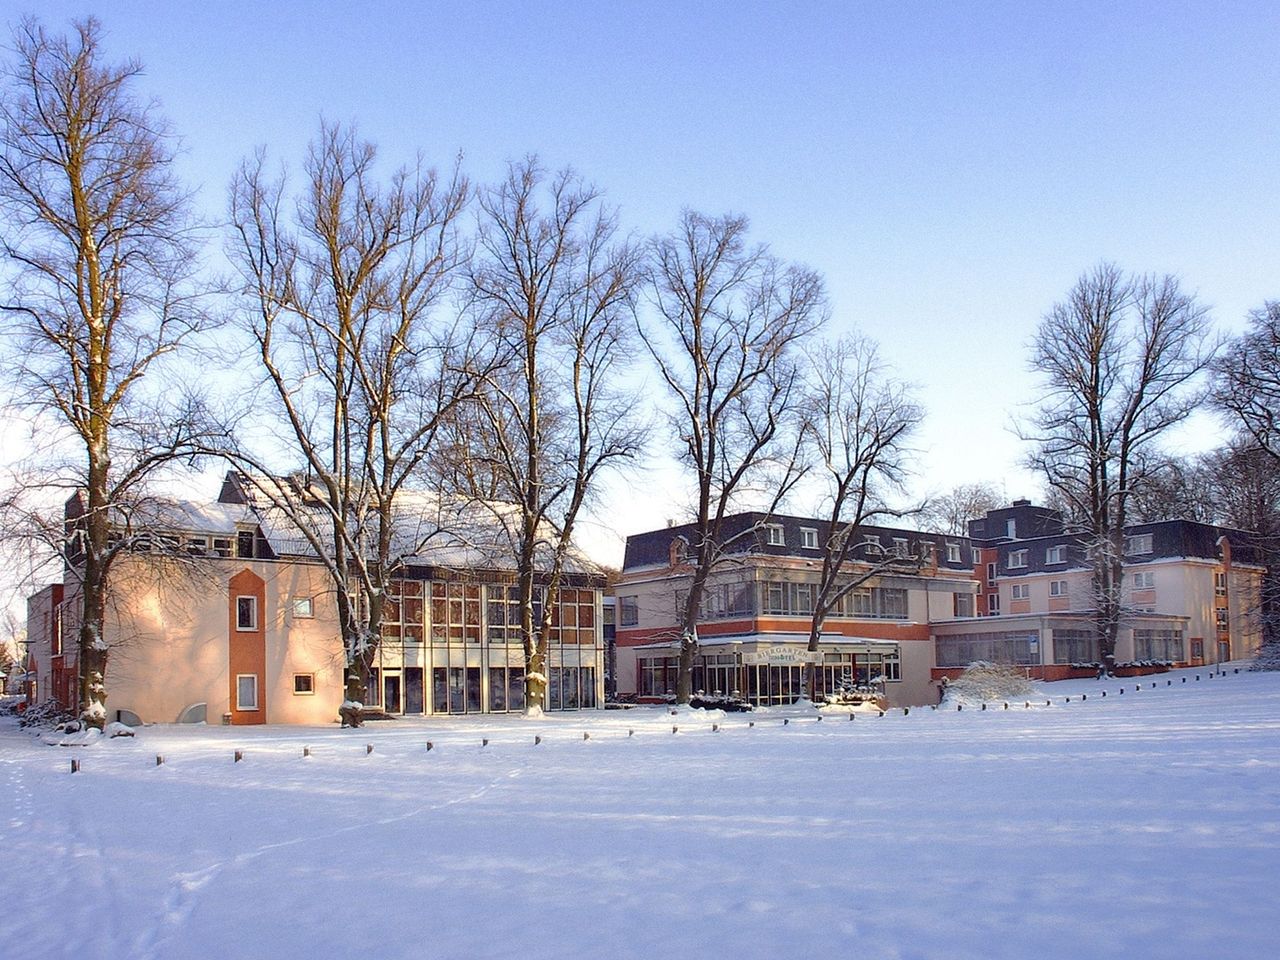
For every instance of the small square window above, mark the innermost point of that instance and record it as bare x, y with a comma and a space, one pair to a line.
1144, 580
246, 613
809, 538
1056, 554
1057, 588
304, 608
900, 547
1017, 558
304, 684
777, 537
953, 553
222, 546
246, 691
1021, 591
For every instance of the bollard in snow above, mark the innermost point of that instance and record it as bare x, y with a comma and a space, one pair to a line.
306, 751
1084, 696
882, 713
850, 716
1104, 693
368, 749
673, 713
484, 741
786, 720
536, 741
75, 766
1068, 700
906, 712
1168, 683
631, 733
430, 745
585, 735
819, 718
159, 760
984, 706
1006, 705
1197, 676
675, 729
751, 723
1236, 670
239, 756
959, 707
715, 728
1122, 691
1184, 679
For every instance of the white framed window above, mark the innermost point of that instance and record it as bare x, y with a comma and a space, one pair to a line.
1011, 529
222, 546
991, 572
953, 553
304, 684
628, 611
1144, 580
963, 606
1138, 544
1220, 584
1017, 559
975, 556
775, 535
246, 691
900, 547
196, 546
304, 608
1021, 591
993, 604
1056, 554
809, 538
1057, 588
246, 613
872, 543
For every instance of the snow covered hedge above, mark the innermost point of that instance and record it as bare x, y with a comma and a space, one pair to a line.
985, 682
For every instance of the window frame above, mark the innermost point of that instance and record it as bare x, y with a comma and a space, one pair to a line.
809, 538
775, 535
1143, 580
257, 700
953, 552
1020, 591
1133, 545
1017, 559
1055, 554
310, 684
252, 625
297, 608
1058, 588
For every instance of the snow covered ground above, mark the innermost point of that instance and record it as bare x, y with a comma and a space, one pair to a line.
1139, 825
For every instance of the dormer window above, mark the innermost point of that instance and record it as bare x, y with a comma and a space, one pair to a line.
953, 553
1017, 559
1056, 554
775, 535
244, 544
809, 538
679, 550
1138, 544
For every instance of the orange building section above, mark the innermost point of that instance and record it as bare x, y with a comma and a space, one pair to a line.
247, 649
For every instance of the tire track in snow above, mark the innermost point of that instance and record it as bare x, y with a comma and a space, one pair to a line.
186, 888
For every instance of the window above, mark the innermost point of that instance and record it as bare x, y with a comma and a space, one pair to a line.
573, 619
246, 613
722, 600
871, 543
1138, 544
197, 545
304, 684
963, 605
1005, 646
1220, 584
1056, 554
993, 605
776, 536
991, 572
1220, 618
900, 547
304, 608
975, 555
1157, 644
244, 544
1144, 580
953, 553
222, 546
809, 538
628, 611
789, 599
1011, 529
455, 612
1075, 646
1057, 588
1021, 591
1017, 558
874, 603
246, 691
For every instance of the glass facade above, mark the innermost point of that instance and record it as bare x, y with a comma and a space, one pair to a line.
455, 647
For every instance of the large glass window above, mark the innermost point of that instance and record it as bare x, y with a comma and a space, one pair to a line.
726, 600
404, 613
1075, 646
574, 618
656, 676
1008, 646
246, 691
1157, 645
628, 611
503, 613
455, 612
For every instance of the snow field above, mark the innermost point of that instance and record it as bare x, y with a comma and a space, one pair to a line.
1143, 824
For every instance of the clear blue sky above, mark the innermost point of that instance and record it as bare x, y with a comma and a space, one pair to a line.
950, 168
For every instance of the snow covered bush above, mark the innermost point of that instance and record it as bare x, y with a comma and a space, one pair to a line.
1268, 657
47, 714
982, 681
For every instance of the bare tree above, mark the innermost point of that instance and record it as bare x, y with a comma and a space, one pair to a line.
1247, 386
557, 288
858, 420
951, 512
342, 303
100, 241
729, 318
1118, 358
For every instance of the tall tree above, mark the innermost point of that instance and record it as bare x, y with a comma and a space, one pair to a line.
951, 512
342, 288
858, 421
1247, 381
557, 288
101, 246
729, 318
1118, 359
